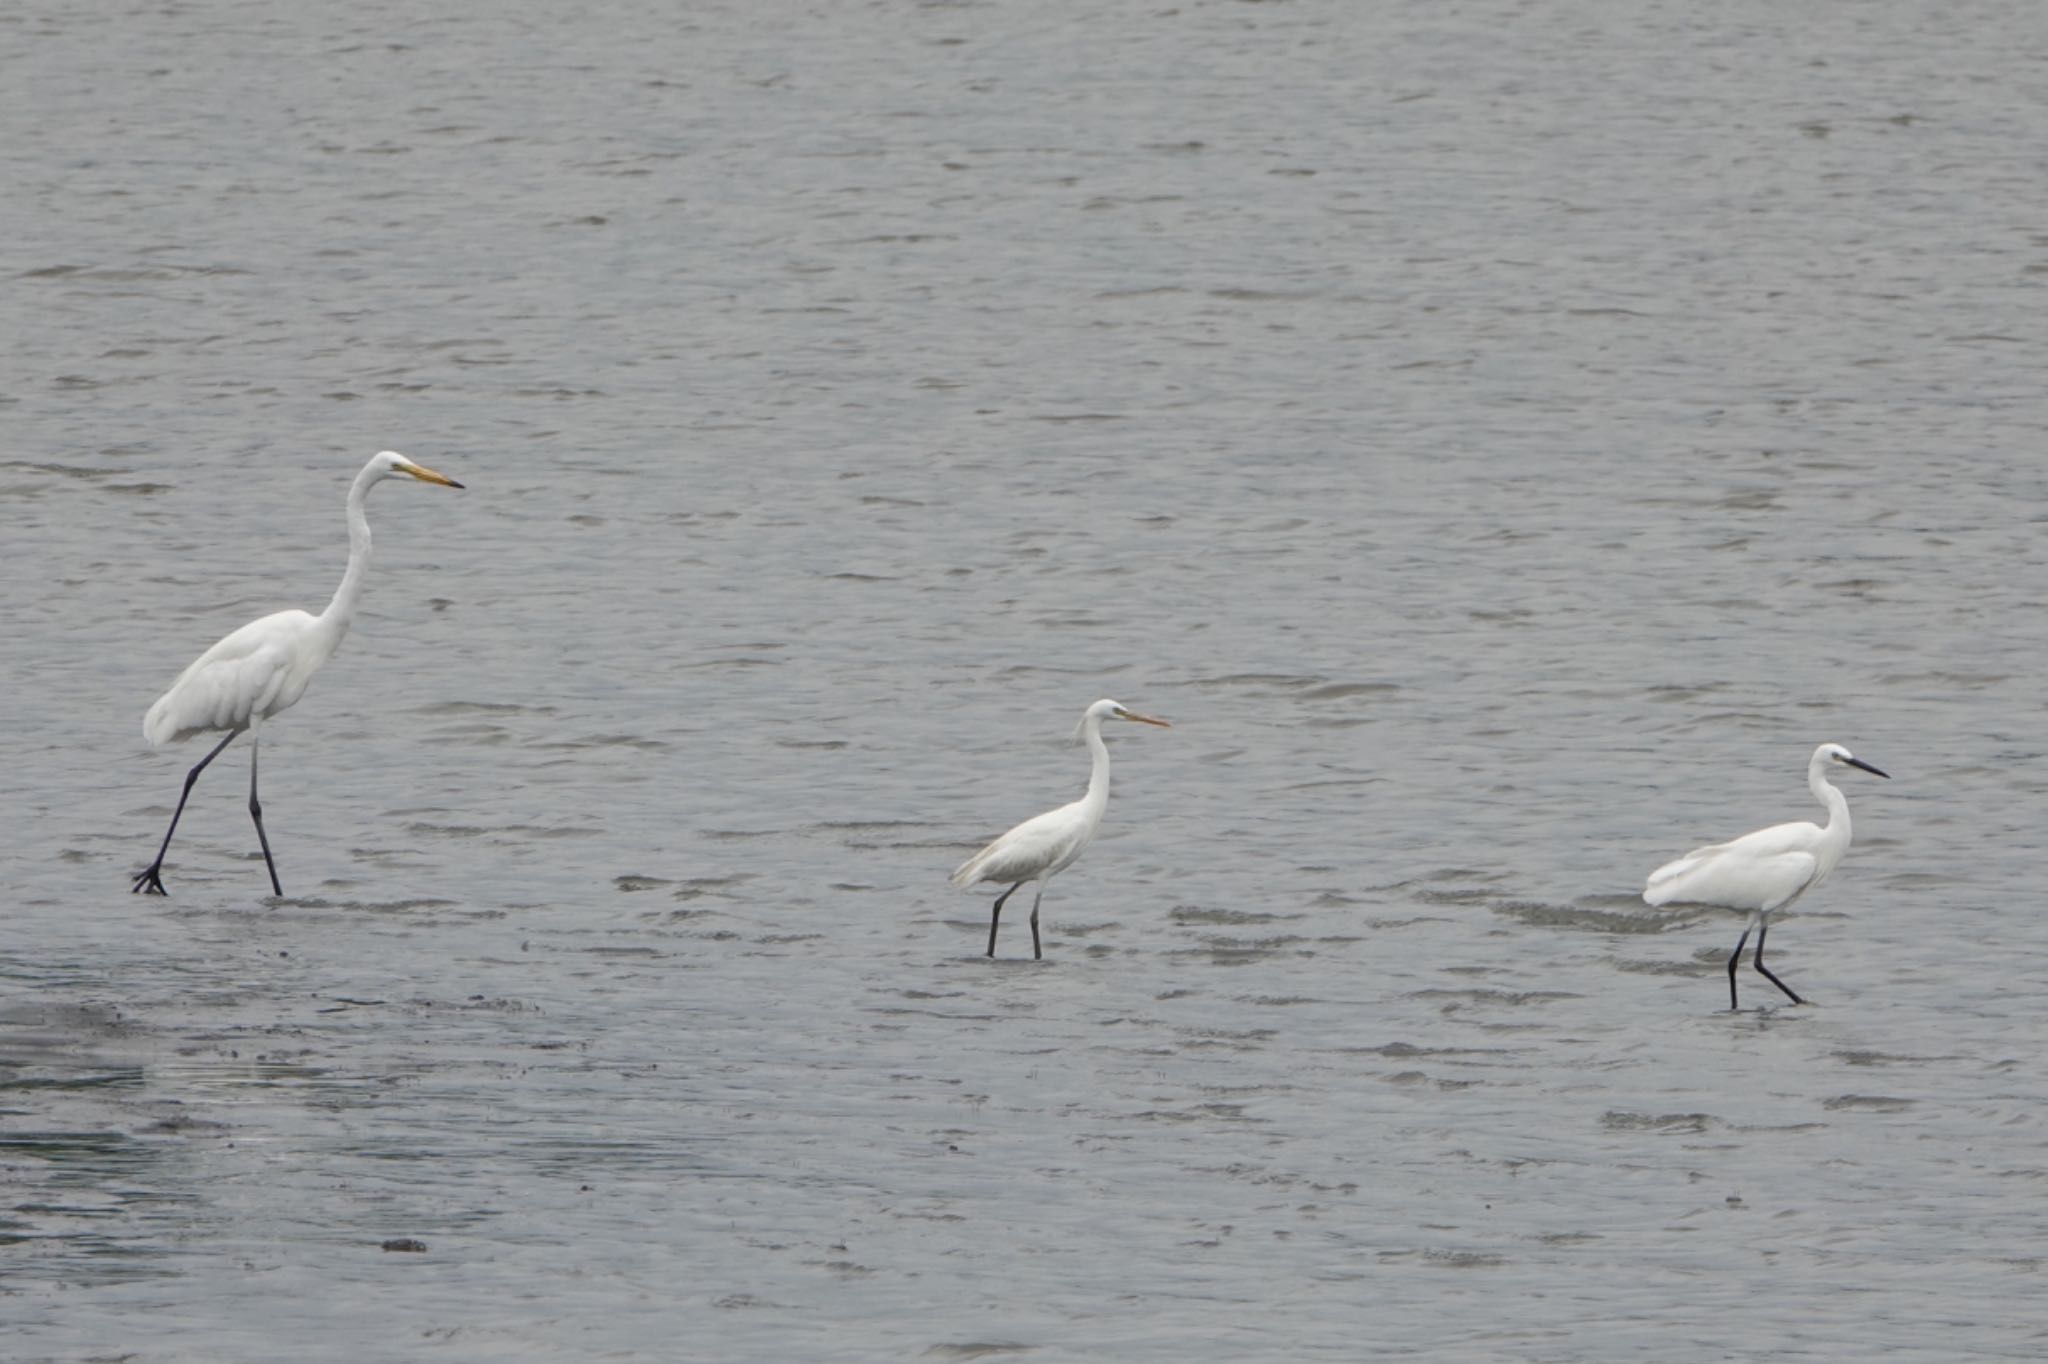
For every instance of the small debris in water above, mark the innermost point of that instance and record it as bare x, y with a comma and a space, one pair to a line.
406, 1243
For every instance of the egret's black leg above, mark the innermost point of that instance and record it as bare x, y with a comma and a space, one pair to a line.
998, 915
1734, 957
153, 876
256, 813
1036, 953
1767, 970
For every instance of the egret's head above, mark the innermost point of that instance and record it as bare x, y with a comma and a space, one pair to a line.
1114, 710
391, 464
1835, 753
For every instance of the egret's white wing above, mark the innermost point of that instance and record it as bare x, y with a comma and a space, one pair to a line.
1734, 877
239, 678
1043, 843
1797, 836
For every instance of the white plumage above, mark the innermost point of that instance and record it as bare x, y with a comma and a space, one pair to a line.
1766, 870
263, 667
1045, 845
251, 675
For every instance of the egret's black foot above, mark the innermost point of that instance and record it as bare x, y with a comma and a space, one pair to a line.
150, 881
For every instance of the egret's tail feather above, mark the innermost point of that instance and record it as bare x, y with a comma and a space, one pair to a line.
156, 726
1662, 887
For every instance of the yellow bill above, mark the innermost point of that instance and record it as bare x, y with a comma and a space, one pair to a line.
426, 475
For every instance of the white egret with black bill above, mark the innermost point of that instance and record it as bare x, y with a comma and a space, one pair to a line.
1767, 870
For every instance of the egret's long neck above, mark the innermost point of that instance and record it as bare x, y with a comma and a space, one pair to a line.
1098, 775
1837, 830
334, 621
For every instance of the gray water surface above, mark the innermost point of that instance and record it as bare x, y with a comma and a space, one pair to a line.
1502, 439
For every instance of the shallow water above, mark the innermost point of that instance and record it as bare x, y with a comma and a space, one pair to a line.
1503, 443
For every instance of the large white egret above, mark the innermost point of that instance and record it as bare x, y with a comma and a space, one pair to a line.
264, 667
1041, 848
1766, 870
